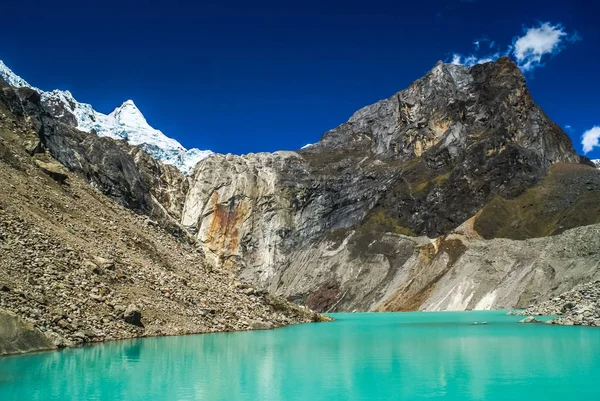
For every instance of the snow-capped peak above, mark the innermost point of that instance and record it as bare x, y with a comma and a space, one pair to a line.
126, 122
596, 162
129, 114
13, 79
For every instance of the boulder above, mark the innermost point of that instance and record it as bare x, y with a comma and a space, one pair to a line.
103, 263
55, 170
529, 319
17, 336
260, 325
93, 267
132, 315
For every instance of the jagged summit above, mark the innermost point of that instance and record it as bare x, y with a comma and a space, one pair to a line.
126, 122
129, 114
446, 112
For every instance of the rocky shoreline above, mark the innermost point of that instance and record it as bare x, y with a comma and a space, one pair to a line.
19, 336
73, 297
578, 307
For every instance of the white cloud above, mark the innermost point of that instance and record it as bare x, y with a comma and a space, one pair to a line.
528, 50
590, 139
472, 59
536, 43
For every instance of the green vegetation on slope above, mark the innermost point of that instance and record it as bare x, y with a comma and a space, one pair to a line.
567, 197
380, 222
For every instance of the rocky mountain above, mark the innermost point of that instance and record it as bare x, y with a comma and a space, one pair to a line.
367, 218
455, 193
126, 122
77, 267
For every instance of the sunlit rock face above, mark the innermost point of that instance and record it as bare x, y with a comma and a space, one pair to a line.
346, 223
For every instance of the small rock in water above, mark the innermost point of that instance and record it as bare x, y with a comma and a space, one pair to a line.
529, 319
260, 325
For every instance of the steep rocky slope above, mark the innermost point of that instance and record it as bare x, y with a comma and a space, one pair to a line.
392, 272
80, 267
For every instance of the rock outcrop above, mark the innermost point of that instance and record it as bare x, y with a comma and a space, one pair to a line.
366, 270
18, 337
529, 319
120, 171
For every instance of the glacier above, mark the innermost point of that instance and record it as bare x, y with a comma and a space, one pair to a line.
126, 122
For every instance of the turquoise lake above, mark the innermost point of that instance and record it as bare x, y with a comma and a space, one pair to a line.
363, 356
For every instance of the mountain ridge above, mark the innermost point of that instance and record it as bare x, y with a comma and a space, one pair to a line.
351, 221
125, 122
89, 254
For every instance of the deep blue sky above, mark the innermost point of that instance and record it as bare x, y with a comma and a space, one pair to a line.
261, 76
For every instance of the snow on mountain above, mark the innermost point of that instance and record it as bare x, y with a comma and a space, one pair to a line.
12, 78
596, 162
126, 122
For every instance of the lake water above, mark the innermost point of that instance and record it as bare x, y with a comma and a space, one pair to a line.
364, 356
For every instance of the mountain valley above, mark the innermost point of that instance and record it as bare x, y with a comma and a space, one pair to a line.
456, 193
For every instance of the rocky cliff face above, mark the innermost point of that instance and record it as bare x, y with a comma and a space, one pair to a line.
334, 225
117, 169
91, 248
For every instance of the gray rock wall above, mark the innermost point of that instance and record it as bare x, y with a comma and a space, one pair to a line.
324, 226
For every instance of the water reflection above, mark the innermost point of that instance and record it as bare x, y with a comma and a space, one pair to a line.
359, 357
